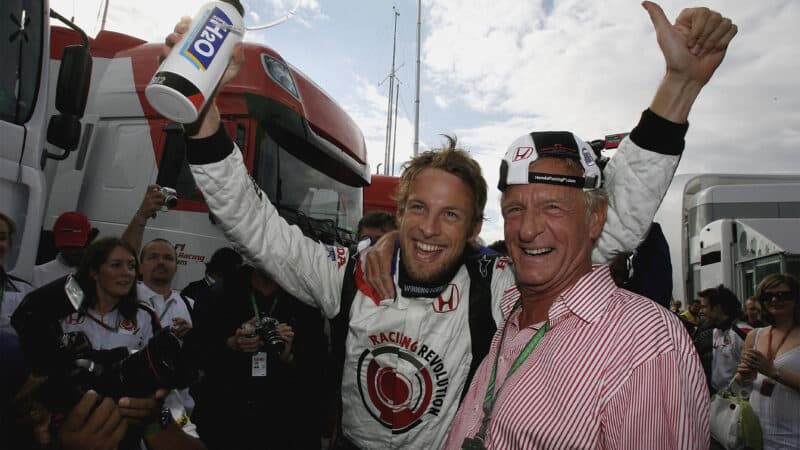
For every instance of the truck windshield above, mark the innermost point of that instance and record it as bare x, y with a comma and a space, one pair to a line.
301, 191
324, 208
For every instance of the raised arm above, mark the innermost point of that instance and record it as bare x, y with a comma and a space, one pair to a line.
306, 269
693, 47
152, 203
638, 176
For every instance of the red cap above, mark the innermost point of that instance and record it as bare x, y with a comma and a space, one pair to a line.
71, 230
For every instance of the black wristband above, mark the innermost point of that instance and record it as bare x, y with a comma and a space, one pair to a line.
210, 149
659, 135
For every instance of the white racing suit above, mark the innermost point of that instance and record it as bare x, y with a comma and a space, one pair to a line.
407, 360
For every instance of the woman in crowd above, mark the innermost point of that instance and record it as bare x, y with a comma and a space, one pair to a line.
98, 306
771, 360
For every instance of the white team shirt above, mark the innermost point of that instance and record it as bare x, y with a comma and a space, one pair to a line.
727, 352
179, 401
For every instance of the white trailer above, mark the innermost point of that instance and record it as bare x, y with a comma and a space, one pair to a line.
740, 252
694, 202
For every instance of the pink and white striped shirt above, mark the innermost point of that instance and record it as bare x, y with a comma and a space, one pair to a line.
614, 371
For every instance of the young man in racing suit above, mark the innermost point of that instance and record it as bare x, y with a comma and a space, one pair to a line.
407, 358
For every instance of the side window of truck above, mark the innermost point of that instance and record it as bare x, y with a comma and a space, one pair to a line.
21, 53
174, 169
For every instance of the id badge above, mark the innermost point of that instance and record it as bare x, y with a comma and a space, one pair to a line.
259, 368
767, 386
472, 444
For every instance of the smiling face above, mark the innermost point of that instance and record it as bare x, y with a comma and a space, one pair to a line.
437, 221
778, 302
116, 276
547, 231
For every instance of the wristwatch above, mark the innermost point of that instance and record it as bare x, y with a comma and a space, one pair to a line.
164, 418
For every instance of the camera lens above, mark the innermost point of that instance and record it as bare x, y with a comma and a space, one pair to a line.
171, 201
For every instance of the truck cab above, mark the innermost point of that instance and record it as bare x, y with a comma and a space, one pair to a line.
40, 109
299, 146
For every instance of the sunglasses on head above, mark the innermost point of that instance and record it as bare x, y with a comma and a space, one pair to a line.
780, 296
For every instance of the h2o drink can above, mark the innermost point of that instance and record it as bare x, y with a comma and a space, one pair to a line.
188, 76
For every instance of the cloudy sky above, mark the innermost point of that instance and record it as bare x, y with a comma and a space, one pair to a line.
495, 69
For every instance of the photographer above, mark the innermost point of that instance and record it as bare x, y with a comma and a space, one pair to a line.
95, 311
258, 372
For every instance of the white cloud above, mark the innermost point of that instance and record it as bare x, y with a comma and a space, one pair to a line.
592, 67
368, 108
441, 102
152, 19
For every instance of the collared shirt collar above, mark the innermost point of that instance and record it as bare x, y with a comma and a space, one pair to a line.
586, 299
151, 297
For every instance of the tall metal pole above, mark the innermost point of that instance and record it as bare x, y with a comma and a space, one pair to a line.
105, 14
394, 139
416, 99
391, 98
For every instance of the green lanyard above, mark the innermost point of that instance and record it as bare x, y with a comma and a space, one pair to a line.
491, 394
167, 306
255, 307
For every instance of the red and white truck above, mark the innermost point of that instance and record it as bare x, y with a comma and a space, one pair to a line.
299, 145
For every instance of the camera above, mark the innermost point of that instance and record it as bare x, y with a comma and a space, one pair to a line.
267, 329
117, 373
170, 197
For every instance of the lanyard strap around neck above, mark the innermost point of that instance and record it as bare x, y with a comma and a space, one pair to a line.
255, 306
492, 394
167, 305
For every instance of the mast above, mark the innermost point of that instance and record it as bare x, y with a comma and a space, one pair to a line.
391, 98
416, 98
105, 14
394, 139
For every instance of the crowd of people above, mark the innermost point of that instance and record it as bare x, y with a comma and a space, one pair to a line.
292, 341
736, 347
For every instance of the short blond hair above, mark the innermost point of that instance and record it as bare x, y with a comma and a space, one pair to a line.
452, 160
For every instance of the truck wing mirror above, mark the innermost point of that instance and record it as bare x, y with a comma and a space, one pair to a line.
72, 90
73, 80
63, 131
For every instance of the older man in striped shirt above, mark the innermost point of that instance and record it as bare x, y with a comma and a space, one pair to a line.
578, 362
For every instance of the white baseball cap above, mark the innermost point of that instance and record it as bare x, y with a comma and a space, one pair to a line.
514, 169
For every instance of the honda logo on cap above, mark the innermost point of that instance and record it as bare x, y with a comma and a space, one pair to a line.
523, 153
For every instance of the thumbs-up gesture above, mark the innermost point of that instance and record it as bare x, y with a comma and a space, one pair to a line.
695, 45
